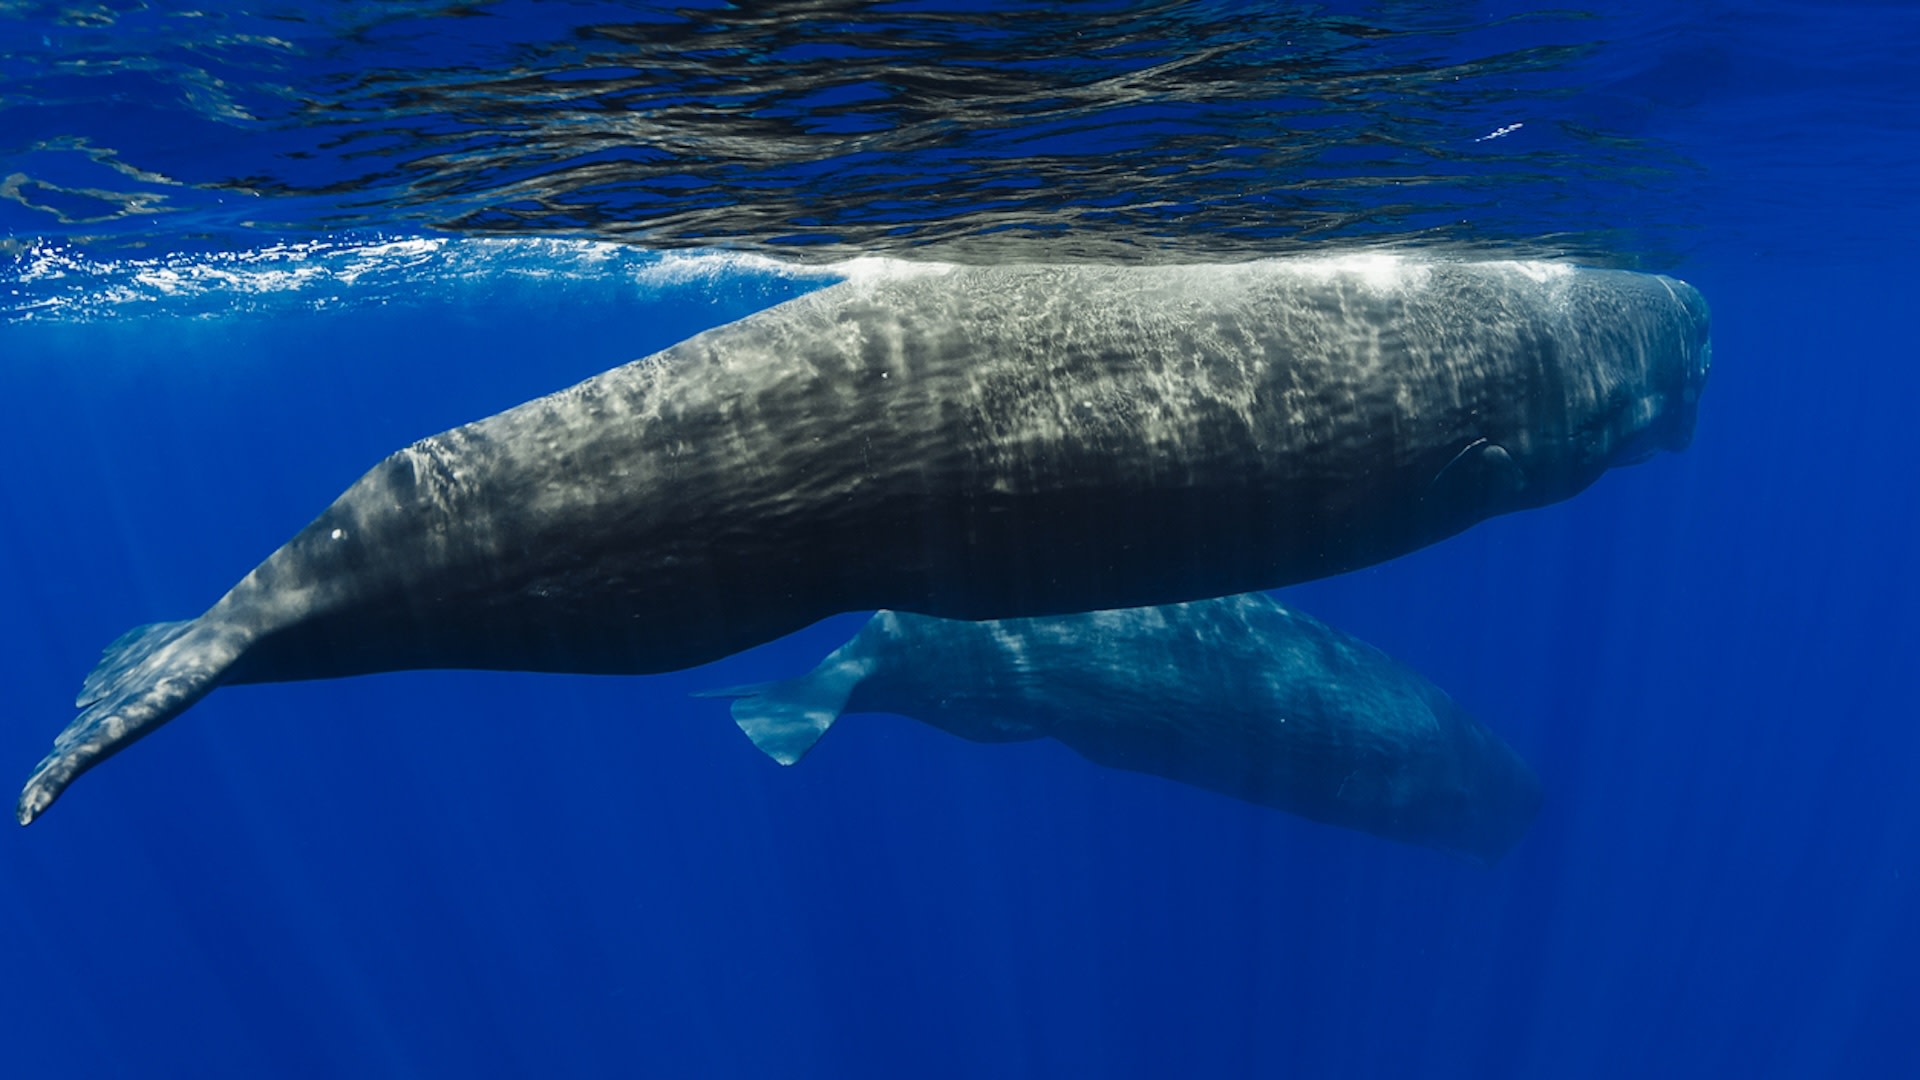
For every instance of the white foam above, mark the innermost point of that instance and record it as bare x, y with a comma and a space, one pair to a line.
59, 282
1388, 270
876, 267
1380, 270
49, 281
686, 267
1540, 270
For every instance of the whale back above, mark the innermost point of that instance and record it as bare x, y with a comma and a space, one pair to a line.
985, 442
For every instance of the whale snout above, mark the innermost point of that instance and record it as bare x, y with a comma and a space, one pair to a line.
1670, 406
1677, 433
1696, 362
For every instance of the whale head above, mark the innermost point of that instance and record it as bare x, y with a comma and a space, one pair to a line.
1675, 376
1496, 799
1620, 383
1436, 776
1642, 390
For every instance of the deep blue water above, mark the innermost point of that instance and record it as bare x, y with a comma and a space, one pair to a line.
253, 251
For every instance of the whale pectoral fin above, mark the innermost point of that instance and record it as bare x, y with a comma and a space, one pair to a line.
1482, 474
148, 676
784, 719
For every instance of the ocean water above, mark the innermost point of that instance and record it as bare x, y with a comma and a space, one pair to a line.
247, 250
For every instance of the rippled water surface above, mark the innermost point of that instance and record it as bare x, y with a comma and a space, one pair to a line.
1091, 130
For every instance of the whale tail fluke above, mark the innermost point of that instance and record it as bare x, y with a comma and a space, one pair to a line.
147, 676
785, 718
122, 655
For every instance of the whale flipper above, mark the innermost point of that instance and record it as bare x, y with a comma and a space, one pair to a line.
145, 677
785, 718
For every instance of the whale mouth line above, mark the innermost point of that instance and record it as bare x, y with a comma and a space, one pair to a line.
1646, 444
1455, 460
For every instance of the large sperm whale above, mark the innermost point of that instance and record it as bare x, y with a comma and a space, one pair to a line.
967, 442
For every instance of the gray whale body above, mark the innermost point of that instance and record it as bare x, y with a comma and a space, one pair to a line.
978, 442
1240, 695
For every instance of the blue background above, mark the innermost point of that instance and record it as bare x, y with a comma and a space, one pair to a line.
1709, 658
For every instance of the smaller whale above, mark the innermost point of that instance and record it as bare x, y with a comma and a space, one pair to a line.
1240, 695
